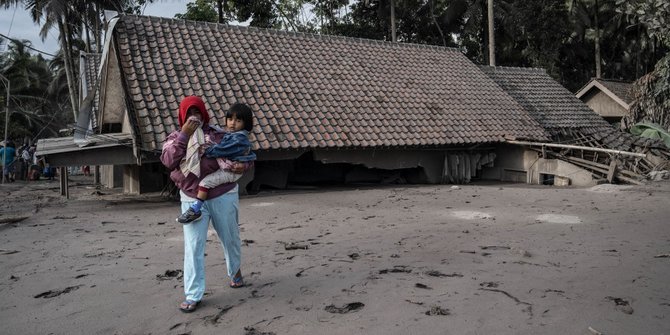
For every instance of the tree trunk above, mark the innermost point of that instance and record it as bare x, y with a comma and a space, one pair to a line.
98, 33
483, 35
492, 47
598, 69
88, 40
393, 37
219, 7
432, 13
69, 74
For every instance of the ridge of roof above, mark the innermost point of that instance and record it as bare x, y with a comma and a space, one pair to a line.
304, 34
513, 68
621, 81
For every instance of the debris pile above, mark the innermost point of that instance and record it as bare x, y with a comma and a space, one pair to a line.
608, 154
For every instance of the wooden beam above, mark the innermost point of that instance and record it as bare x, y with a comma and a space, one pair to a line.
566, 146
62, 178
611, 172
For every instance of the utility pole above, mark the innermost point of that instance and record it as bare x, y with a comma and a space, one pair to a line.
4, 151
492, 47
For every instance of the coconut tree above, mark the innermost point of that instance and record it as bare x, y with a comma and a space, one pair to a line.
32, 111
69, 16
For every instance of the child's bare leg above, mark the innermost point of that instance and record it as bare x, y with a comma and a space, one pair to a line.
202, 193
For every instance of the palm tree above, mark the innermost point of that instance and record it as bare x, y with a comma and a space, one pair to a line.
588, 19
32, 110
69, 16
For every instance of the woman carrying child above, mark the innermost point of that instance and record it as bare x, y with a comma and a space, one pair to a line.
221, 206
233, 147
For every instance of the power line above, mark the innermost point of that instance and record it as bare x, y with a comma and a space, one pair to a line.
26, 45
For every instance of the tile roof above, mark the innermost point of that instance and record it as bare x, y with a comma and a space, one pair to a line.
547, 101
621, 89
558, 110
311, 91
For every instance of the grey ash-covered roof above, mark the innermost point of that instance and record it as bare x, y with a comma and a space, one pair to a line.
557, 109
311, 91
547, 101
621, 89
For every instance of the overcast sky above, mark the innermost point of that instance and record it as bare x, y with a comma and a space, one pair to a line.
16, 23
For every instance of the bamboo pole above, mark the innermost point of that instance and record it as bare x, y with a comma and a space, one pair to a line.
567, 146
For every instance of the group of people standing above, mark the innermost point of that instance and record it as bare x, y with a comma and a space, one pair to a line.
23, 163
18, 163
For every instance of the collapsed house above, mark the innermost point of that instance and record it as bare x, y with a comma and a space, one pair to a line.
327, 109
579, 136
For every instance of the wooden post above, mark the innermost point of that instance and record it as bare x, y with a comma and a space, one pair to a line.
62, 178
612, 171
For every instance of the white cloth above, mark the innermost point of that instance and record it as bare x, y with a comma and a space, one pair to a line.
191, 162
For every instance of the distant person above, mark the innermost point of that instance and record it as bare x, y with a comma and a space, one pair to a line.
221, 206
233, 147
34, 169
86, 170
49, 171
8, 157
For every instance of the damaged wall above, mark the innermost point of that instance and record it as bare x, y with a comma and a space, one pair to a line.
568, 174
517, 164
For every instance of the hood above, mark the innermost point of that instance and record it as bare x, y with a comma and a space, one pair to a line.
192, 101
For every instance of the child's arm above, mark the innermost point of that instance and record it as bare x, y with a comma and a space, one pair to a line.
232, 146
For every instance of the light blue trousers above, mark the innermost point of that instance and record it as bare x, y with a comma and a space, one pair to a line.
223, 212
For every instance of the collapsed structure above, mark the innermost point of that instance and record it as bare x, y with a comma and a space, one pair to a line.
579, 135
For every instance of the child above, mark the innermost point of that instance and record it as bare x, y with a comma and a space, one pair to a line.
234, 147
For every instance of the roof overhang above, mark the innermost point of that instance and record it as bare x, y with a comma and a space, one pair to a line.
101, 149
596, 83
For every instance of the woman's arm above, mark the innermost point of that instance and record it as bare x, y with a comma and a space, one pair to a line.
174, 150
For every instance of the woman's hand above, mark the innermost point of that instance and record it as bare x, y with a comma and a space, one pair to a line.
190, 127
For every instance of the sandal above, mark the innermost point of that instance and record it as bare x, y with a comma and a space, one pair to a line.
237, 282
188, 306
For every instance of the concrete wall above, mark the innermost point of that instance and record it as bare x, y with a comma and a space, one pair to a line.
558, 168
518, 164
510, 165
111, 176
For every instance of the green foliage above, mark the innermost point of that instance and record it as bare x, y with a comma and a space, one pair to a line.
536, 42
200, 10
651, 97
654, 15
33, 111
651, 93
